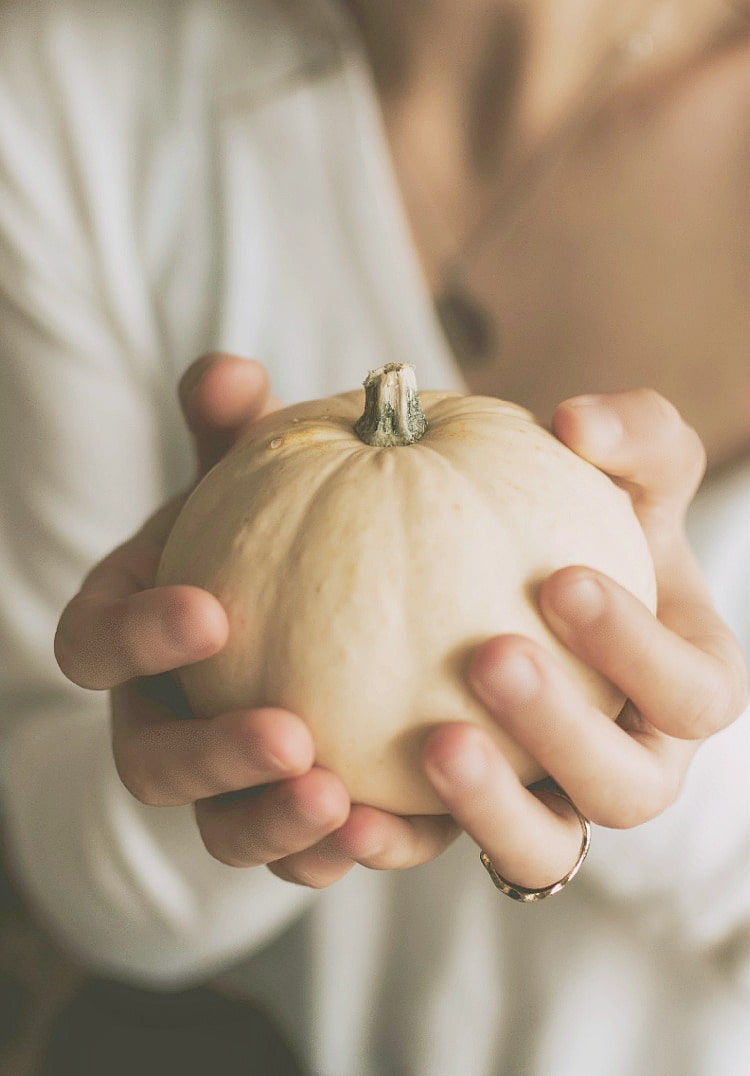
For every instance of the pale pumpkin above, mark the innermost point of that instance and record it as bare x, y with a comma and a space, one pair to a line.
358, 577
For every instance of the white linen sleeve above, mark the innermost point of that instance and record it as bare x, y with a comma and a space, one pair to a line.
688, 872
87, 428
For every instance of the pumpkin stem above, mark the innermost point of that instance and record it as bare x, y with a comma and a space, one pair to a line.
393, 414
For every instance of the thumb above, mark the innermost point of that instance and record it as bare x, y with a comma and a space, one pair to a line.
219, 395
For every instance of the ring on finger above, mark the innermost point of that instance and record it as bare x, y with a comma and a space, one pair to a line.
530, 896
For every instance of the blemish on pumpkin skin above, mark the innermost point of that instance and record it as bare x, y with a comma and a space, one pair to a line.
310, 432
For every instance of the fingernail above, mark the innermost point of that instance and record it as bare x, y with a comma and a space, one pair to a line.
603, 429
579, 602
467, 767
282, 765
512, 681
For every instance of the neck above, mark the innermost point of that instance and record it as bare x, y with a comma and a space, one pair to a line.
467, 87
472, 89
539, 53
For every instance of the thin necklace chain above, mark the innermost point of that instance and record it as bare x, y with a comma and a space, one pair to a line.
643, 40
468, 327
633, 46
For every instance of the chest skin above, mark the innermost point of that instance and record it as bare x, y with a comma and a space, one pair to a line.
626, 259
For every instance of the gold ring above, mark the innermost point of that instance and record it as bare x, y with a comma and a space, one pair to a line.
530, 896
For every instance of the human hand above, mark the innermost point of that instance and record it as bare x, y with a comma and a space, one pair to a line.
257, 795
120, 632
682, 670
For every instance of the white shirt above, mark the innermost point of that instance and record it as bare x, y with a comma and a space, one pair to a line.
178, 176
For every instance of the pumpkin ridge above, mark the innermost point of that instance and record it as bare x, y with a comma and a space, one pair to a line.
358, 580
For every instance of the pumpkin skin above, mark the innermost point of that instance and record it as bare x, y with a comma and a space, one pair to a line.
357, 580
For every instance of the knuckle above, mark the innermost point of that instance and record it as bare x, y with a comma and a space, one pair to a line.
661, 413
709, 715
137, 782
699, 456
313, 869
261, 742
722, 700
693, 461
233, 834
69, 650
294, 875
625, 808
217, 841
626, 814
139, 772
310, 878
65, 654
672, 443
674, 430
662, 408
279, 870
623, 815
393, 859
222, 854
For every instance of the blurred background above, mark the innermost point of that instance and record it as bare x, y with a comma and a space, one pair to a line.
35, 981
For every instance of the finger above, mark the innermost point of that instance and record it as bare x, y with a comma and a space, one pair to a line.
616, 778
104, 639
531, 843
167, 762
374, 839
220, 394
639, 438
316, 867
280, 820
686, 687
383, 841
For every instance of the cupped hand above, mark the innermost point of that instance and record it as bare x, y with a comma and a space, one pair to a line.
120, 632
681, 670
258, 797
